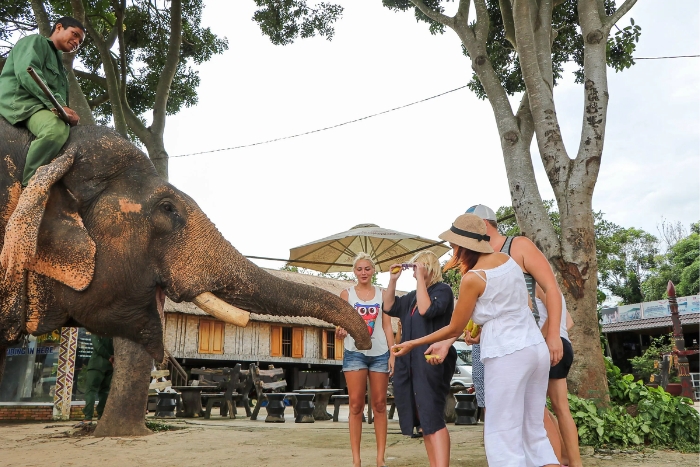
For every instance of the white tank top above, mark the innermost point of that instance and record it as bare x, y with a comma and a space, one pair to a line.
543, 316
504, 313
371, 311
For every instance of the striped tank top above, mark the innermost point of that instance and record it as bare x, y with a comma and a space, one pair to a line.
529, 281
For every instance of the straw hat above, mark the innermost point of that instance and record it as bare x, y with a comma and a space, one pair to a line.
468, 231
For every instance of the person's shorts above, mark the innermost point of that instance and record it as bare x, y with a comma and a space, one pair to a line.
561, 369
353, 361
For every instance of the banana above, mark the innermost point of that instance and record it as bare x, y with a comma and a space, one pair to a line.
472, 329
475, 330
396, 269
430, 356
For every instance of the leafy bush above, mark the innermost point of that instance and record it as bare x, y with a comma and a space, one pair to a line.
643, 366
638, 415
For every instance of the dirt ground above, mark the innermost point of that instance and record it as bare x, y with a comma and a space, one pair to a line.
241, 442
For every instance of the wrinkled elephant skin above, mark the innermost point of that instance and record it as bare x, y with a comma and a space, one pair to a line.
96, 235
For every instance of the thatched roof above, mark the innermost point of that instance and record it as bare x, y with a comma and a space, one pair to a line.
333, 286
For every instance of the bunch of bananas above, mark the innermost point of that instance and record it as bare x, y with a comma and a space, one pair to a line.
472, 329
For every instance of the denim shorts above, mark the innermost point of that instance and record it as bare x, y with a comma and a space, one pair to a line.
353, 361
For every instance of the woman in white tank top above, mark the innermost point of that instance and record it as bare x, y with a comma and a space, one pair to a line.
515, 355
377, 363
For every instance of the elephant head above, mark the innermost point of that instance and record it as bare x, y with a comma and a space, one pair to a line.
99, 239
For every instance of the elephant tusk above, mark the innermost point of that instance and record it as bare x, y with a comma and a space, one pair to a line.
221, 310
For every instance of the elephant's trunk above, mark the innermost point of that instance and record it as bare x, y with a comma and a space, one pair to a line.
261, 292
208, 263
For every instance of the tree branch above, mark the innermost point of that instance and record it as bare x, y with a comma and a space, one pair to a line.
481, 28
110, 78
463, 10
543, 41
549, 140
97, 79
508, 24
42, 18
170, 68
99, 100
432, 14
619, 13
525, 121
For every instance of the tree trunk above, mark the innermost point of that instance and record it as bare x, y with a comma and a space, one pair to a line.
584, 377
158, 154
125, 411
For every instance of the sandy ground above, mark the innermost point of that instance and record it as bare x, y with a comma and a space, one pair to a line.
241, 442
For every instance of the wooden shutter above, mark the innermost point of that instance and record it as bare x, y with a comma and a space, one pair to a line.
205, 333
217, 337
339, 348
276, 341
297, 342
324, 344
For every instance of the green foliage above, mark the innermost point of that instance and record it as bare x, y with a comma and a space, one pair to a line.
285, 20
681, 265
638, 415
452, 278
567, 47
146, 35
643, 366
625, 259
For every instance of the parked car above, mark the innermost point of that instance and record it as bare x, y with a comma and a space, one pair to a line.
463, 370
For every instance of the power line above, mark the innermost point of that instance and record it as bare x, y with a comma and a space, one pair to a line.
282, 138
663, 58
322, 129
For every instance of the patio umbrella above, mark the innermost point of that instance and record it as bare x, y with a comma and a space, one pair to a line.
386, 247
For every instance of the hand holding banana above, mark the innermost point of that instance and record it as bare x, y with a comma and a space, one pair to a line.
472, 329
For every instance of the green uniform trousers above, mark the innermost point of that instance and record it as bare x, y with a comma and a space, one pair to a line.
98, 384
51, 134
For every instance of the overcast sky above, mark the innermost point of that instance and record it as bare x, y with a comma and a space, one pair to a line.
415, 169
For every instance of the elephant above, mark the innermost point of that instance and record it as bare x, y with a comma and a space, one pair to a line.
98, 239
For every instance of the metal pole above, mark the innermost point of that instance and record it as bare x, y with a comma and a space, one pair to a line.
59, 108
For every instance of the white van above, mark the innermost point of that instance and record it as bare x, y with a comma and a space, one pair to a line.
463, 370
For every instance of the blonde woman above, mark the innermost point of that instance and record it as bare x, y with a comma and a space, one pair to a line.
421, 389
376, 362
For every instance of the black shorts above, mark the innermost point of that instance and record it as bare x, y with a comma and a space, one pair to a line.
561, 369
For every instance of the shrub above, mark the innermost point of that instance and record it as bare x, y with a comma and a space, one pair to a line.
638, 415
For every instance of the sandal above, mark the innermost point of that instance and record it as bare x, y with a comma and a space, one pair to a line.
82, 424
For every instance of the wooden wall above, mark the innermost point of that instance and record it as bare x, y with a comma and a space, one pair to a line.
251, 343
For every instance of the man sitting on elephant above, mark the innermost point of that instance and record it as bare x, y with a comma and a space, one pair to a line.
23, 102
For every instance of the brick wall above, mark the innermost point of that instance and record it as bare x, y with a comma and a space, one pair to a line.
35, 412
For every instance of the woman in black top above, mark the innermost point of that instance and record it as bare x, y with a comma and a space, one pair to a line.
421, 389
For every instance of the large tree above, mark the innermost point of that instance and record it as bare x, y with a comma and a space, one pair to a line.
520, 46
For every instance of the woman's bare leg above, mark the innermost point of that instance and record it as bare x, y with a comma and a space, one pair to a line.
378, 383
438, 447
557, 392
552, 433
357, 386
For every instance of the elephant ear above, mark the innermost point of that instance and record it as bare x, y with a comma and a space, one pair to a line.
45, 234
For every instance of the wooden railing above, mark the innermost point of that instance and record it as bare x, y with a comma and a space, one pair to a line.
178, 375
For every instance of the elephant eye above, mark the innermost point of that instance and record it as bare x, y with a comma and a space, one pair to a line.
167, 207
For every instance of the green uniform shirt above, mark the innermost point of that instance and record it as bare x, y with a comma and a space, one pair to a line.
20, 96
102, 349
